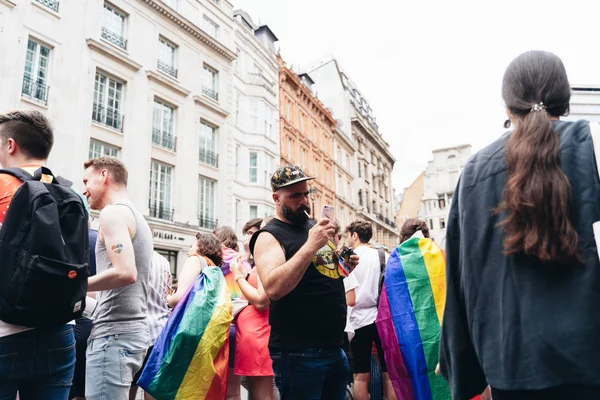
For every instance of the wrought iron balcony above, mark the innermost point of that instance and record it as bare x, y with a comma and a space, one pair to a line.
51, 4
210, 92
114, 38
161, 212
261, 80
209, 157
35, 90
107, 116
208, 223
167, 68
163, 139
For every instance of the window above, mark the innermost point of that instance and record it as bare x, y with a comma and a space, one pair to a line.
442, 223
171, 256
206, 203
302, 122
303, 159
211, 27
349, 186
442, 202
359, 170
430, 224
208, 145
253, 212
253, 174
237, 109
348, 162
108, 101
238, 203
339, 155
162, 127
268, 169
35, 78
100, 149
360, 197
210, 84
327, 176
166, 57
113, 29
254, 111
289, 148
288, 109
161, 176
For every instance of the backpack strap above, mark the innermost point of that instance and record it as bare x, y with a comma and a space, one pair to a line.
18, 173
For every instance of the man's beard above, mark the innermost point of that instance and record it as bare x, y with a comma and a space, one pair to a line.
297, 217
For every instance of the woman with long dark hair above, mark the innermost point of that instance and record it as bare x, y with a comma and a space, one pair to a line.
523, 277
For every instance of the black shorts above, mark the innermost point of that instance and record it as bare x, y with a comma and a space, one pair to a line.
139, 373
361, 347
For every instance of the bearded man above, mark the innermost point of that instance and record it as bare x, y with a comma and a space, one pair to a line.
299, 270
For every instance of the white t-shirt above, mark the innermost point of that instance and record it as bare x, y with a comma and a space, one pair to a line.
366, 275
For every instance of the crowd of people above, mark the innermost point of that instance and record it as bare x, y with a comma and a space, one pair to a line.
307, 309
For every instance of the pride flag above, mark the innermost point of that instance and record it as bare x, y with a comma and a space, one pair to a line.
409, 317
189, 359
228, 256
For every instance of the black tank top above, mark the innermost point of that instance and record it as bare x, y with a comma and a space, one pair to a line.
314, 313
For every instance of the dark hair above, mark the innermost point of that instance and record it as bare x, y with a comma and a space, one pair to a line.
411, 226
363, 229
209, 247
537, 192
31, 130
253, 223
115, 167
227, 237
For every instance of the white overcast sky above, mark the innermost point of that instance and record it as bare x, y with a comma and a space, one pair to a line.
432, 70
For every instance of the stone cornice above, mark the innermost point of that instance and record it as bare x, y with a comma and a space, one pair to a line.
168, 82
211, 104
8, 3
113, 53
191, 29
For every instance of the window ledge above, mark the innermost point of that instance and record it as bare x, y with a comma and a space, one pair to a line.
45, 9
36, 103
107, 128
169, 82
213, 167
205, 101
114, 53
8, 3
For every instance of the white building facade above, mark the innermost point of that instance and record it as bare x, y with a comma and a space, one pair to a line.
441, 177
372, 162
254, 120
148, 81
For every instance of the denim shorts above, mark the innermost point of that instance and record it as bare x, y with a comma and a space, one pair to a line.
38, 363
112, 362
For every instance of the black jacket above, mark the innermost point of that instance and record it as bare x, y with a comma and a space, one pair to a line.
512, 321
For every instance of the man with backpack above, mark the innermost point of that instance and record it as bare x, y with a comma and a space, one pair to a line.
120, 338
362, 315
43, 274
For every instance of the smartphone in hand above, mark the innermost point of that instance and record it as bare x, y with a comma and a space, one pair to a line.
328, 212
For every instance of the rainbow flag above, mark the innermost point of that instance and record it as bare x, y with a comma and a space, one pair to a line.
228, 256
190, 357
409, 317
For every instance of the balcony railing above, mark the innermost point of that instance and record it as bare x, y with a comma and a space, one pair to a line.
107, 116
167, 68
163, 139
210, 93
209, 157
51, 4
35, 90
161, 212
114, 38
208, 223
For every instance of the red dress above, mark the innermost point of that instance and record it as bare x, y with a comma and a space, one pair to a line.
252, 356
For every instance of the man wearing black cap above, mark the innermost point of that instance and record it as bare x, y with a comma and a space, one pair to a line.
299, 270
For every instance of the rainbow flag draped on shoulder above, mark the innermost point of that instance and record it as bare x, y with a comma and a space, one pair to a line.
189, 359
409, 319
228, 256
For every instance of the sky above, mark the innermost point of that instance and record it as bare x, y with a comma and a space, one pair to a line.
432, 70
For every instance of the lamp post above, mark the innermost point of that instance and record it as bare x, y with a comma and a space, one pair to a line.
311, 194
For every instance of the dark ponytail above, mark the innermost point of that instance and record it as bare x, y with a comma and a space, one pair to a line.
537, 192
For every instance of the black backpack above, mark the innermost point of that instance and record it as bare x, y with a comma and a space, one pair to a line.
382, 269
43, 253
